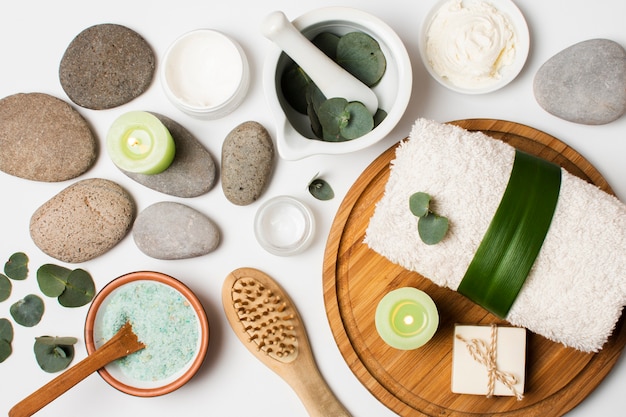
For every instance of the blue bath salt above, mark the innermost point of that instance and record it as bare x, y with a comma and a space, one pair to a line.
162, 319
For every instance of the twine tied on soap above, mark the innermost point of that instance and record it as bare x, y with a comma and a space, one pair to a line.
485, 354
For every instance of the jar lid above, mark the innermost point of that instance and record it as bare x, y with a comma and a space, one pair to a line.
205, 73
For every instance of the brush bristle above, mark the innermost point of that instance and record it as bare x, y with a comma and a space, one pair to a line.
266, 318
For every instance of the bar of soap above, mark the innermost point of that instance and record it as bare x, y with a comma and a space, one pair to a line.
471, 377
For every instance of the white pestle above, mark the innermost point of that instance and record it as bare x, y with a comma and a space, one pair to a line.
331, 78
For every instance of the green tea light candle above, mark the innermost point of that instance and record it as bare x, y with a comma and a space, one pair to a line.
406, 318
138, 142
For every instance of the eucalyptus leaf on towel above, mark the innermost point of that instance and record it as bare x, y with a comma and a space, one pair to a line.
431, 227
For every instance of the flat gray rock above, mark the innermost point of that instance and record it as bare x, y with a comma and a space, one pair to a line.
192, 172
105, 66
169, 230
585, 83
247, 163
83, 221
42, 138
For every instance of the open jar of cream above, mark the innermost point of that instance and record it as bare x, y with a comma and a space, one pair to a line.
284, 226
205, 74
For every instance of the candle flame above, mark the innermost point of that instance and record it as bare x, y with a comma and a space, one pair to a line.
136, 145
408, 320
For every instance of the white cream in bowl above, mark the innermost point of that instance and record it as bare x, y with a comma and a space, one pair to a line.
474, 46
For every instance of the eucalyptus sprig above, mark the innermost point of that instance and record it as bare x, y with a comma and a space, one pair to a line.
73, 288
431, 227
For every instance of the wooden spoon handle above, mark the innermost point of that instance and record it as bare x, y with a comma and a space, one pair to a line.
118, 346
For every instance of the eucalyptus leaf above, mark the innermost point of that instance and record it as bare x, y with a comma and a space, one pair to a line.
419, 204
359, 123
80, 289
5, 287
294, 84
360, 55
332, 115
321, 190
52, 279
17, 266
53, 341
327, 43
6, 330
315, 98
342, 120
53, 357
432, 228
379, 116
28, 311
5, 350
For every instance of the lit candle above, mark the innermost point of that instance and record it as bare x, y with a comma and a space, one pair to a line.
406, 318
138, 142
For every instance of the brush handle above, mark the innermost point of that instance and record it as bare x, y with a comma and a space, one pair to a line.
313, 391
120, 345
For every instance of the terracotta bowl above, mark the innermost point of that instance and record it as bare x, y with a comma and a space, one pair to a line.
134, 377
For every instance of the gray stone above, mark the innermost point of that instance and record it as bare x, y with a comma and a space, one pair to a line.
42, 138
247, 163
191, 174
83, 221
585, 83
169, 230
105, 66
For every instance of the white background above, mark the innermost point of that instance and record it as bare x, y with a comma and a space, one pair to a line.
33, 37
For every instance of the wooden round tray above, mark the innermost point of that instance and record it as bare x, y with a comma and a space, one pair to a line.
417, 383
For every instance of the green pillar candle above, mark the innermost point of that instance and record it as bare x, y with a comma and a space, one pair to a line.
138, 142
406, 318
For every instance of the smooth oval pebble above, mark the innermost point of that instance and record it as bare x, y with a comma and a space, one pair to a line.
105, 66
83, 221
584, 83
169, 230
247, 163
42, 138
192, 172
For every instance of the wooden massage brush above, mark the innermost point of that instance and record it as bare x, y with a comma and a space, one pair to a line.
266, 321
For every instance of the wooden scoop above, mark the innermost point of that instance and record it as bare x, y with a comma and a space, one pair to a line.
123, 343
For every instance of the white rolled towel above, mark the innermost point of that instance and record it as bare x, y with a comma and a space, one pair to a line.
576, 288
